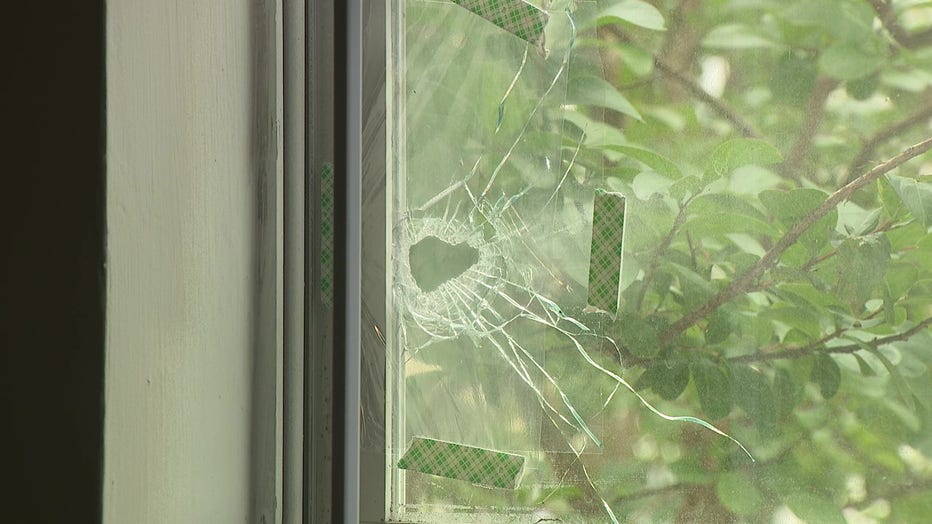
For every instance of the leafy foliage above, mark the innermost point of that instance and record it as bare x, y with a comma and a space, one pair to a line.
792, 355
728, 123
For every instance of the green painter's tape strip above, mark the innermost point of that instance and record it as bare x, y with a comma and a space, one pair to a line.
515, 16
485, 467
608, 226
326, 234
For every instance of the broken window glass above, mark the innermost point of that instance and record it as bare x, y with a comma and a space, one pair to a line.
502, 334
608, 311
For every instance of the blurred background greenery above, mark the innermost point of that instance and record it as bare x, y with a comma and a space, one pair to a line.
757, 293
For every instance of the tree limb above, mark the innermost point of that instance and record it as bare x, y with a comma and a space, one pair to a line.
892, 492
744, 282
723, 110
659, 252
903, 37
802, 350
815, 111
850, 348
870, 145
681, 42
815, 261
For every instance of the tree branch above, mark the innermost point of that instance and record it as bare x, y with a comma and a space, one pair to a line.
802, 350
744, 282
815, 111
870, 145
906, 39
850, 348
661, 249
815, 261
892, 492
681, 42
723, 110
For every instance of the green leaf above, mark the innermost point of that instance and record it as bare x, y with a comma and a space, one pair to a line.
751, 180
739, 152
686, 186
815, 509
917, 196
802, 318
634, 12
651, 159
912, 507
848, 62
638, 335
921, 391
740, 261
752, 392
855, 20
862, 264
865, 368
667, 379
647, 222
595, 91
899, 278
911, 80
790, 207
719, 327
786, 392
891, 202
691, 470
738, 494
735, 36
889, 307
863, 88
809, 294
648, 184
827, 374
883, 424
598, 134
713, 387
661, 284
723, 223
638, 60
725, 202
845, 20
854, 220
910, 237
793, 79
694, 287
902, 387
723, 213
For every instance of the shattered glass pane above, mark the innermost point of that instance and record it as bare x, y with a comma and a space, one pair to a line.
491, 341
610, 221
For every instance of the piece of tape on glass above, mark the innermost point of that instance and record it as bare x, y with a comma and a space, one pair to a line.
605, 258
485, 467
326, 234
515, 16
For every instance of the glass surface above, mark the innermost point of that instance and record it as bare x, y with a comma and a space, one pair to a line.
760, 352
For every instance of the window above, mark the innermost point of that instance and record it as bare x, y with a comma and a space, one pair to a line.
647, 261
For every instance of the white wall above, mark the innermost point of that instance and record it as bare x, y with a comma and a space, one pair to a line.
191, 217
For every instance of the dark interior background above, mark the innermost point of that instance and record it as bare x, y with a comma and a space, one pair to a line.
52, 286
